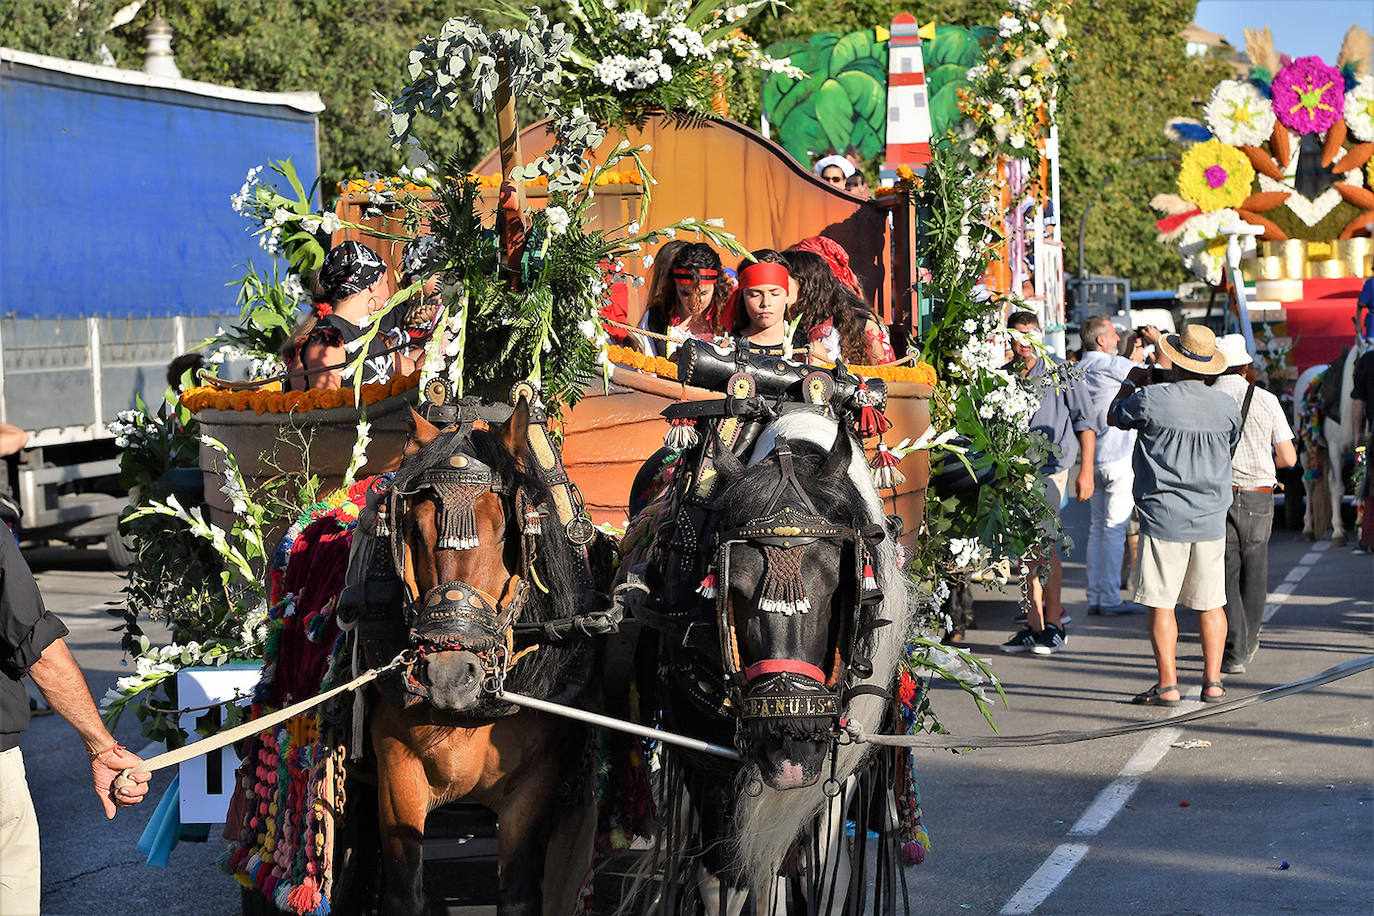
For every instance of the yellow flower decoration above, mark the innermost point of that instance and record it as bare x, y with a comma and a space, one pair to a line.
1215, 176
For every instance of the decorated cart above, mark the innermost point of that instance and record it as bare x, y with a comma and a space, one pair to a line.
343, 522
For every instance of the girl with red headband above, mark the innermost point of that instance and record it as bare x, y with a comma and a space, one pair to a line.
766, 291
686, 295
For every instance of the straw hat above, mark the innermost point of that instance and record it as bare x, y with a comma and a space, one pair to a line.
1232, 346
1195, 350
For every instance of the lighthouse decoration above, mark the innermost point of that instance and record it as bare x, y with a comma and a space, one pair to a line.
908, 109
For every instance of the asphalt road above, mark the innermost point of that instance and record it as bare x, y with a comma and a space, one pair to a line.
1094, 828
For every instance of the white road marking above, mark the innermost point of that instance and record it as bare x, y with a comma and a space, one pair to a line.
1113, 798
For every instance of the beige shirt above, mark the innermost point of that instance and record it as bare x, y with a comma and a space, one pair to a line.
1265, 427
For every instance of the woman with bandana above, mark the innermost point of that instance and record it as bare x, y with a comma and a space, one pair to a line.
690, 305
351, 289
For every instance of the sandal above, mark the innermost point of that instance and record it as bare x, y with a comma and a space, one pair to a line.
1152, 697
1215, 697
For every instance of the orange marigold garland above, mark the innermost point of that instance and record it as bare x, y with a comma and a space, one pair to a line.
920, 373
265, 400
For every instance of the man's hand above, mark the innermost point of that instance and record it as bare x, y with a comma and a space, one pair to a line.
1139, 376
1151, 334
109, 764
1083, 483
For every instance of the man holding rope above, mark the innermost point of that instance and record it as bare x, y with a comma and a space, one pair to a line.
31, 643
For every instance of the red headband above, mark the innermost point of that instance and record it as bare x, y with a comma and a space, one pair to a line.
764, 273
703, 275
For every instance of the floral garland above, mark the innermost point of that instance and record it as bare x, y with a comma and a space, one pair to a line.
1014, 94
262, 401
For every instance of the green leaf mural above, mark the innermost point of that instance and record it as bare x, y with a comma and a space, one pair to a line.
842, 103
948, 58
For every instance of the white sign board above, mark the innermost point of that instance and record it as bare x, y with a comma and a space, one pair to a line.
207, 781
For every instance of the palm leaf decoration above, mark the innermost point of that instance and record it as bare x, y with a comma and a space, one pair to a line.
842, 104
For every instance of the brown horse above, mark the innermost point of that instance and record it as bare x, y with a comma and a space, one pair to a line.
486, 573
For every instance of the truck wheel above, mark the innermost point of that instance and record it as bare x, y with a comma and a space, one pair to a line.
120, 550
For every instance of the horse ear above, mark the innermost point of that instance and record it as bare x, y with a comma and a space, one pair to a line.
726, 464
422, 433
840, 457
514, 433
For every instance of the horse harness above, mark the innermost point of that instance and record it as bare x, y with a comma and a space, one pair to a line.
457, 615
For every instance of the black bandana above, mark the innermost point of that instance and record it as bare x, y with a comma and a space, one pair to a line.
350, 267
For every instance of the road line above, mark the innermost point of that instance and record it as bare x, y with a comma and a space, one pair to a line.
1046, 878
1111, 799
1114, 796
1284, 590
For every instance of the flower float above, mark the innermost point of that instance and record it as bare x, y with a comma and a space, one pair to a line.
262, 400
1215, 176
1287, 150
1309, 96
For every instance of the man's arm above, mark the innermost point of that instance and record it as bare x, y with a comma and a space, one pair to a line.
64, 687
1138, 377
1087, 455
1285, 455
12, 439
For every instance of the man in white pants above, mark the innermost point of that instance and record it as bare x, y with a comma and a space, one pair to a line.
1105, 476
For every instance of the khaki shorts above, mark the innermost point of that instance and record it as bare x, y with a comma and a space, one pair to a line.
19, 863
1053, 487
1170, 573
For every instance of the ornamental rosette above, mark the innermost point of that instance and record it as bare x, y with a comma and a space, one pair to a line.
1215, 176
1203, 246
1309, 96
1359, 109
1237, 114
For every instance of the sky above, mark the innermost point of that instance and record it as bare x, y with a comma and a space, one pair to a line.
1301, 27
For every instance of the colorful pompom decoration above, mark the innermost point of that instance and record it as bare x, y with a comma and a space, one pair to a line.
884, 469
872, 421
682, 433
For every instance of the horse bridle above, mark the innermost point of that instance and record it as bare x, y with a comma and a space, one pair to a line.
790, 688
456, 615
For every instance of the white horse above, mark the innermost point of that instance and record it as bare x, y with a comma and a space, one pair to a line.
1338, 434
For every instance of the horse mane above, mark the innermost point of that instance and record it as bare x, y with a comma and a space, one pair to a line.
769, 824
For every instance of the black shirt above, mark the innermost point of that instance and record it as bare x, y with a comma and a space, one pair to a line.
26, 629
333, 331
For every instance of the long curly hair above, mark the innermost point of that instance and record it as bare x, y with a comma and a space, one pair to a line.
662, 305
820, 297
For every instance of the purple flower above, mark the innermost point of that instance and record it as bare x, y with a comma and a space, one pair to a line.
1215, 175
1309, 95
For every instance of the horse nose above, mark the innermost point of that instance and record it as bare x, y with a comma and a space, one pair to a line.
455, 680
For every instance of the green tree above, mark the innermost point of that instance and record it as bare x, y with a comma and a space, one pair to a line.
74, 29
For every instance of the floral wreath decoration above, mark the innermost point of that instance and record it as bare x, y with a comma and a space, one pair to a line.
274, 400
1241, 161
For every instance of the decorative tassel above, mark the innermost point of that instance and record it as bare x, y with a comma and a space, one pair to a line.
707, 588
913, 853
682, 433
305, 898
534, 522
870, 583
872, 421
884, 469
782, 585
457, 521
382, 527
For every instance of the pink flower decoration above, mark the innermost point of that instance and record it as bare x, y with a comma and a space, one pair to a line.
1215, 175
1309, 96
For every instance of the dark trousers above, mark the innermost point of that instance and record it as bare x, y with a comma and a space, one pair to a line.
1249, 522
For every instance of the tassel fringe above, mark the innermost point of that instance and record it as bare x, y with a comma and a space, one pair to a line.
682, 434
707, 588
782, 585
884, 469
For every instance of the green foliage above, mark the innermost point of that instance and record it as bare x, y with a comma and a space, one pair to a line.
948, 58
842, 105
74, 29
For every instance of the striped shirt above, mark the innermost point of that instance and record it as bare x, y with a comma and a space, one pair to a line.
1265, 426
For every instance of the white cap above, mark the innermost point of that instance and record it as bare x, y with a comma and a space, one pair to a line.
843, 164
1232, 346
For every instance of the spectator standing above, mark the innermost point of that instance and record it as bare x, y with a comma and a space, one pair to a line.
1105, 476
1362, 412
1044, 633
31, 643
1266, 440
1182, 463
